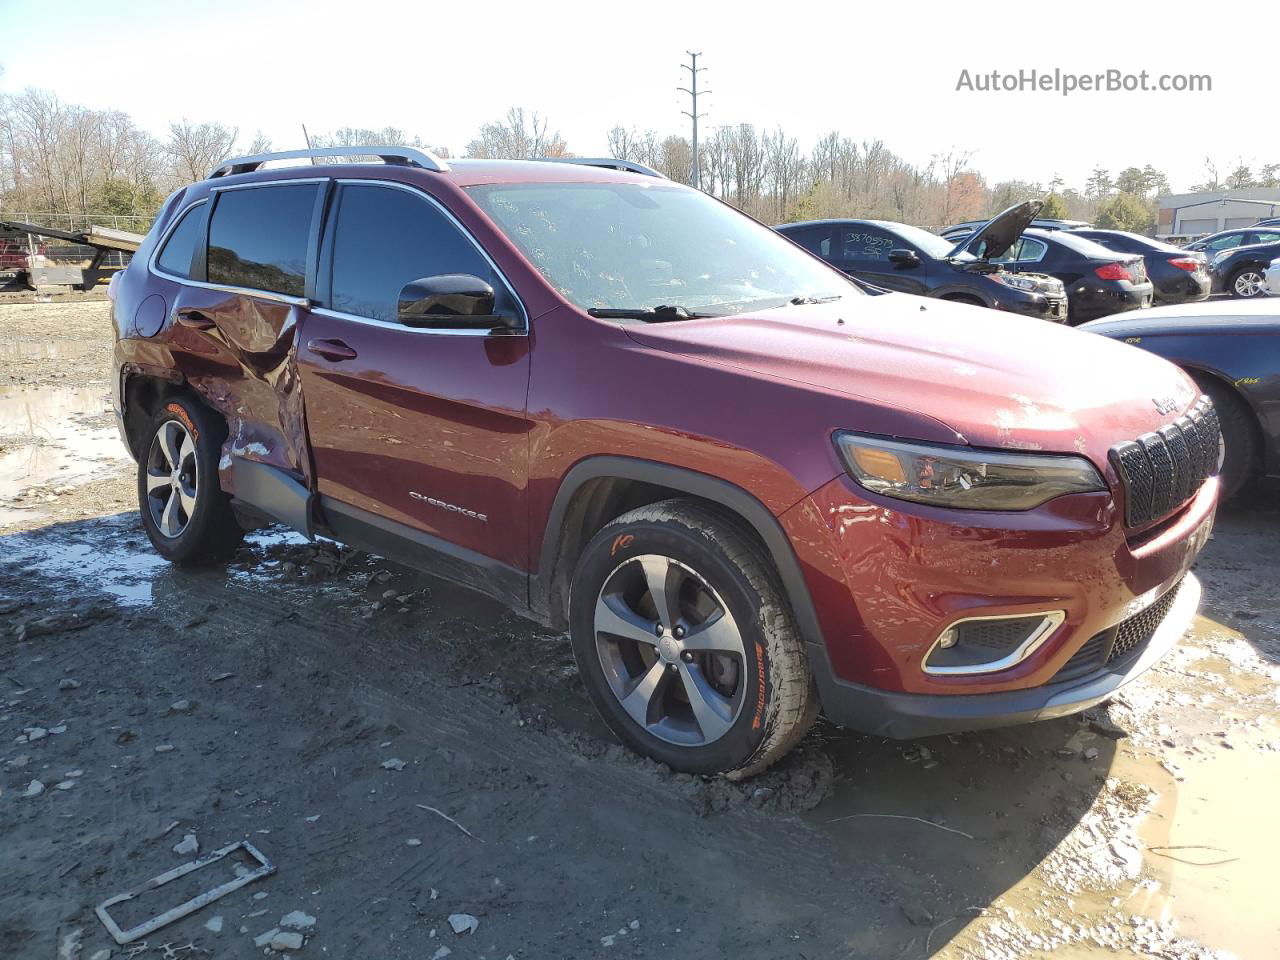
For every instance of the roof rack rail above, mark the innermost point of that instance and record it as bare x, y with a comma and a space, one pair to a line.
609, 163
404, 156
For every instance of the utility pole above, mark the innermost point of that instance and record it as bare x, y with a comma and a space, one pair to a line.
692, 91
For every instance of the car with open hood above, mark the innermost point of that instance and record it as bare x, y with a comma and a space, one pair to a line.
907, 259
746, 490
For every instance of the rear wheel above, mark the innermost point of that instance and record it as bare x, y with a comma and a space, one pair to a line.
187, 517
1247, 282
1239, 436
685, 642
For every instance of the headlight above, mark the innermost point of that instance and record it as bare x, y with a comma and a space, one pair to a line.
1015, 281
962, 477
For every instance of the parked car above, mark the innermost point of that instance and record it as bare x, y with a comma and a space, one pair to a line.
1176, 275
1238, 271
743, 487
955, 231
1215, 243
898, 257
1268, 222
1232, 351
1098, 281
1271, 278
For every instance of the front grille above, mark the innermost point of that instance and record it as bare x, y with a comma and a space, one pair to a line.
1128, 638
1134, 634
1160, 471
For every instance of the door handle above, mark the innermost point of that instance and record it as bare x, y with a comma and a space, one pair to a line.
194, 319
331, 349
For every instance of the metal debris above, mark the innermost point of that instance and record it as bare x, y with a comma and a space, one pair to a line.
265, 868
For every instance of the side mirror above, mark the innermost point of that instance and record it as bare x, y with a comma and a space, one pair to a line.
904, 257
449, 300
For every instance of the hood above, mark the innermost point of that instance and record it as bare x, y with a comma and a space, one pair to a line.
997, 380
1206, 316
999, 232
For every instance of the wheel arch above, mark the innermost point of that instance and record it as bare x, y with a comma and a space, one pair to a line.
1202, 375
599, 489
142, 392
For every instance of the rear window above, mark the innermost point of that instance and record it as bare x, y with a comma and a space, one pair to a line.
258, 238
1082, 246
180, 248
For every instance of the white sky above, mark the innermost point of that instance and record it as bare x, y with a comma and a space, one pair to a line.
886, 70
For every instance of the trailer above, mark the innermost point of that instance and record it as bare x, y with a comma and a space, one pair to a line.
22, 265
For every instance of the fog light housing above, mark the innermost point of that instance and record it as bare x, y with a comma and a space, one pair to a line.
990, 644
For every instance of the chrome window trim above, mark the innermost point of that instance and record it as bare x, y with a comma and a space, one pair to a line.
1053, 619
522, 331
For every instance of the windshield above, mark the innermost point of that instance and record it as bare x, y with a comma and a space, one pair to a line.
632, 246
924, 241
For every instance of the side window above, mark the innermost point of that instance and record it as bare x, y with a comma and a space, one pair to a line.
1267, 236
384, 238
815, 240
180, 248
1024, 249
258, 237
865, 244
1225, 242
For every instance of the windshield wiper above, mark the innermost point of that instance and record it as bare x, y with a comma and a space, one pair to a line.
804, 299
660, 314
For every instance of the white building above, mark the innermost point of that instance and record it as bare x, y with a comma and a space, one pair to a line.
1190, 215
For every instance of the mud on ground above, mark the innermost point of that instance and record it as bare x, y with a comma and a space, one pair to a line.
406, 752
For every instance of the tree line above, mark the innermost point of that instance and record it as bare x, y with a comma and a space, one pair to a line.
68, 159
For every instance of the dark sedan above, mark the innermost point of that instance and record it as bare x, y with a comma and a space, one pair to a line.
1179, 276
1240, 271
906, 259
1232, 351
1098, 281
1215, 243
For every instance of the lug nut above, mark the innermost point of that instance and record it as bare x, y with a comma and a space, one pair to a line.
679, 631
657, 630
673, 668
687, 656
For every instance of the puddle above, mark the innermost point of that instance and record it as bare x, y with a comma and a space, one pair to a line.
45, 439
113, 556
43, 349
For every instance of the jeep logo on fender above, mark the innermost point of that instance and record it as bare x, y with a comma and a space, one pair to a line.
1165, 404
451, 507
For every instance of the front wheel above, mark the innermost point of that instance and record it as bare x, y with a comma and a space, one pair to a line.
188, 518
1247, 282
686, 644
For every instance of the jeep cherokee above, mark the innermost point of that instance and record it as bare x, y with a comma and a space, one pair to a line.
746, 489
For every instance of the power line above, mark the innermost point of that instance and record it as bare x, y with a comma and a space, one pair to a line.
693, 114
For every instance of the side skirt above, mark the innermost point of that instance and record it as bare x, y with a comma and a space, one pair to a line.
422, 551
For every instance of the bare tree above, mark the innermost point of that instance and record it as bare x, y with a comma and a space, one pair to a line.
518, 137
196, 148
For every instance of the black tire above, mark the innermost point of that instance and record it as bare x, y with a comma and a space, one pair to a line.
1257, 287
1239, 436
773, 688
964, 298
209, 532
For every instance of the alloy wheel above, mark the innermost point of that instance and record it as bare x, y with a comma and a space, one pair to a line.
1248, 284
173, 478
670, 650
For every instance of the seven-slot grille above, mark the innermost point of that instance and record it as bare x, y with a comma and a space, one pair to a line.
1159, 471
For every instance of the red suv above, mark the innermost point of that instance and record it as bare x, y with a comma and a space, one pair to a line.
745, 488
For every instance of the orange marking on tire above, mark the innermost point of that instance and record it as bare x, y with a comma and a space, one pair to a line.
621, 542
182, 415
759, 717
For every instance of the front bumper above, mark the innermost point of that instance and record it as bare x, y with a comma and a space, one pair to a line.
909, 715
